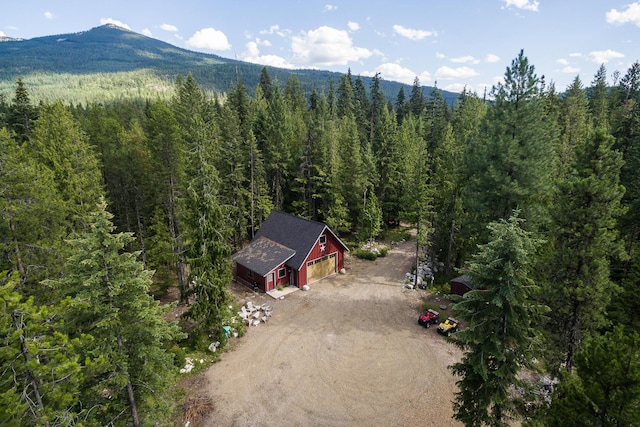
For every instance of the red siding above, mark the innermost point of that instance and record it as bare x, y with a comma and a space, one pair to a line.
330, 247
299, 277
243, 274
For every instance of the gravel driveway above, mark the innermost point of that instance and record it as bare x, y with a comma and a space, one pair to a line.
348, 352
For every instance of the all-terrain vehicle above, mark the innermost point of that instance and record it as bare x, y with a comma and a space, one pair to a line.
428, 318
448, 327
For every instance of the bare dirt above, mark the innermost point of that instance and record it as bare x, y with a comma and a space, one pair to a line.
348, 352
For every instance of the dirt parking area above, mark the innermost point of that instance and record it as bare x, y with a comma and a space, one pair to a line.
348, 352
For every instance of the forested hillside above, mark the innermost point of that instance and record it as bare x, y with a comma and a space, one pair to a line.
109, 63
534, 195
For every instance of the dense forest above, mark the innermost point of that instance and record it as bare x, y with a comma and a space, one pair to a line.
530, 191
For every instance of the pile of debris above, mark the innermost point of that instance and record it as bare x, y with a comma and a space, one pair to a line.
252, 314
425, 272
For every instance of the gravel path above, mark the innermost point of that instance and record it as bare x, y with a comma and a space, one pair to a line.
349, 352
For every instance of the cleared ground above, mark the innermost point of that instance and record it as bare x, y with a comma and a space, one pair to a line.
349, 352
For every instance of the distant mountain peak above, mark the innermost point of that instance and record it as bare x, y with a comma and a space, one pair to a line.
113, 26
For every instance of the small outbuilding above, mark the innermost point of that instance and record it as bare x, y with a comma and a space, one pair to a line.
289, 250
460, 285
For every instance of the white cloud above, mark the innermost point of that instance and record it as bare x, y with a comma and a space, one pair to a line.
604, 56
457, 87
575, 54
491, 58
209, 39
353, 26
261, 42
105, 21
411, 33
562, 61
326, 46
523, 4
252, 54
571, 70
440, 55
147, 32
468, 59
2, 34
169, 27
630, 14
330, 7
395, 72
455, 73
49, 15
275, 29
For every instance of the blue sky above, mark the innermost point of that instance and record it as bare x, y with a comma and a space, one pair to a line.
454, 43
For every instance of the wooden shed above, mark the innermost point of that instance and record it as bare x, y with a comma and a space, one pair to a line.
460, 285
289, 250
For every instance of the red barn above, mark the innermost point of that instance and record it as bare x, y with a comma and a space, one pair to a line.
289, 250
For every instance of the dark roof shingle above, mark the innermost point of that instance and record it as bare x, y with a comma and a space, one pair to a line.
262, 255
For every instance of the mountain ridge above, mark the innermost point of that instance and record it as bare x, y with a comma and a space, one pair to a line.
110, 49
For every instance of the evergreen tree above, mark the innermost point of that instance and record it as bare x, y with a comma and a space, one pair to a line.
604, 389
277, 147
41, 373
31, 220
390, 167
21, 114
584, 222
466, 119
168, 150
209, 229
259, 204
417, 101
344, 106
625, 125
598, 95
514, 156
401, 106
111, 302
502, 318
417, 194
58, 143
575, 122
265, 83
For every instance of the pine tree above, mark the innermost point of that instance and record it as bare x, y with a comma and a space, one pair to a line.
58, 143
604, 389
466, 119
599, 99
168, 150
41, 373
31, 220
584, 223
575, 122
514, 156
21, 114
502, 318
209, 225
417, 101
277, 147
112, 303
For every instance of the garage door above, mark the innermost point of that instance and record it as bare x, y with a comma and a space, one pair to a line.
321, 267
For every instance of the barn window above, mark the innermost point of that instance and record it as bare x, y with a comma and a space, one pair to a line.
249, 273
282, 273
323, 239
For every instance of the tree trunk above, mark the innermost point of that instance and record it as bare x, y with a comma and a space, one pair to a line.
39, 406
22, 271
130, 395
